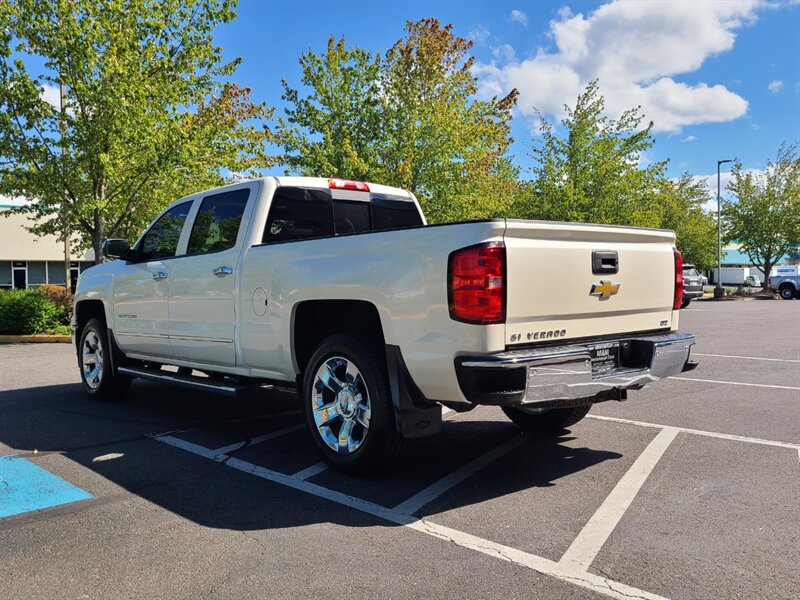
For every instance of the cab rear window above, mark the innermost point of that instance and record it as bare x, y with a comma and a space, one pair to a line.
308, 213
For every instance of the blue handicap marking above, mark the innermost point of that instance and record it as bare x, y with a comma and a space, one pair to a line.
25, 487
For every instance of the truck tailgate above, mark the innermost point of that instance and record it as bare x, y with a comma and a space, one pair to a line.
555, 292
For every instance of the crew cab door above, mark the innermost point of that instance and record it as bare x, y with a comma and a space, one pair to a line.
141, 289
202, 313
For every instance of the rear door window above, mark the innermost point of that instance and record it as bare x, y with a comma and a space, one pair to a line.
299, 213
217, 223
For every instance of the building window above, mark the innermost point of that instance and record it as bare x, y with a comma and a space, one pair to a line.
5, 275
55, 272
37, 273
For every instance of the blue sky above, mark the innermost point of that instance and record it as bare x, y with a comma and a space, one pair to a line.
719, 79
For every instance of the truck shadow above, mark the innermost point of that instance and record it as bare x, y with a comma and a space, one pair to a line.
114, 441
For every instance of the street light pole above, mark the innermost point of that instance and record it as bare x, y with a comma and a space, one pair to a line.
718, 291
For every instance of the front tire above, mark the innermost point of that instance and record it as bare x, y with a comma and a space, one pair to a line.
348, 406
97, 376
550, 422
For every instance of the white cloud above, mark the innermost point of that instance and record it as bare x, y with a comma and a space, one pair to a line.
634, 49
52, 95
518, 16
480, 34
775, 86
689, 138
504, 52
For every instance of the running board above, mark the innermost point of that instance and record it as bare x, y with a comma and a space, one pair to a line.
187, 381
204, 384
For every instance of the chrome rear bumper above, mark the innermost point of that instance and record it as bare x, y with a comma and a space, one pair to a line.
534, 376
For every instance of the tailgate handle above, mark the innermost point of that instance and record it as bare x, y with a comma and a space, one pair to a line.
605, 262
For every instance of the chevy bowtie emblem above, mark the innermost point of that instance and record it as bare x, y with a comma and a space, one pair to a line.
605, 289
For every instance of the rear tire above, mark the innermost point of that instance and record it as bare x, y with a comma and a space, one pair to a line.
94, 354
553, 421
787, 292
686, 303
348, 406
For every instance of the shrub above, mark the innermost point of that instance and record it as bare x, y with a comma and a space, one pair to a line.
62, 299
26, 311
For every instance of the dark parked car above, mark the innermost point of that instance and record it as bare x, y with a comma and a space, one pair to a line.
692, 284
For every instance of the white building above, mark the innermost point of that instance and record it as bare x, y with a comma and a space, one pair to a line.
28, 261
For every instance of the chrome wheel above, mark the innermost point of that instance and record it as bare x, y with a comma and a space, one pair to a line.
340, 405
92, 360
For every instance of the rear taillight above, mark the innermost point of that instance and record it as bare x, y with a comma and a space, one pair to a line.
347, 184
678, 299
477, 284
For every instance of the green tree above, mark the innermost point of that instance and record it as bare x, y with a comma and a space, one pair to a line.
681, 203
409, 119
151, 113
593, 172
764, 218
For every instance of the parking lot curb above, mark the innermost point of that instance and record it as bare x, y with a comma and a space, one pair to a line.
35, 339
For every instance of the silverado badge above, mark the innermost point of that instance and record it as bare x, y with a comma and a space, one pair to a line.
605, 289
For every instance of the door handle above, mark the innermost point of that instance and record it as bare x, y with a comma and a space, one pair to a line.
159, 275
222, 271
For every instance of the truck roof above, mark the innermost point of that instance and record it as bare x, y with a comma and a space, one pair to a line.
322, 182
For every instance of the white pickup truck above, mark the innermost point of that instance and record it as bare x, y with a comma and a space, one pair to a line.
338, 289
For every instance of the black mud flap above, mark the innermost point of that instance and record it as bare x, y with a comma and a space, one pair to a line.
415, 415
689, 366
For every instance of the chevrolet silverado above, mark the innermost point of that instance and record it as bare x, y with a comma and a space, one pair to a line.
340, 291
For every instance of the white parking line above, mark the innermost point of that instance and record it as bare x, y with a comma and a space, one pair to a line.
602, 585
584, 548
789, 360
433, 491
713, 434
309, 472
758, 385
251, 442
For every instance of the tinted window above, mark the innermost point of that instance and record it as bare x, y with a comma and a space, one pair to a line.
691, 272
162, 238
37, 273
5, 272
217, 222
391, 213
298, 213
351, 216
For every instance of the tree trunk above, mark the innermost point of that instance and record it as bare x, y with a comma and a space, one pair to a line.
767, 269
67, 262
98, 234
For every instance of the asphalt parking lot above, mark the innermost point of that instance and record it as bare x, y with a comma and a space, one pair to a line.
687, 490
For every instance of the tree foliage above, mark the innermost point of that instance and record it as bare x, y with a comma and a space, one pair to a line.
593, 173
680, 206
764, 218
409, 118
151, 113
592, 169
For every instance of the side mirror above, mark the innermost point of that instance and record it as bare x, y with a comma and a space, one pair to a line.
114, 249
